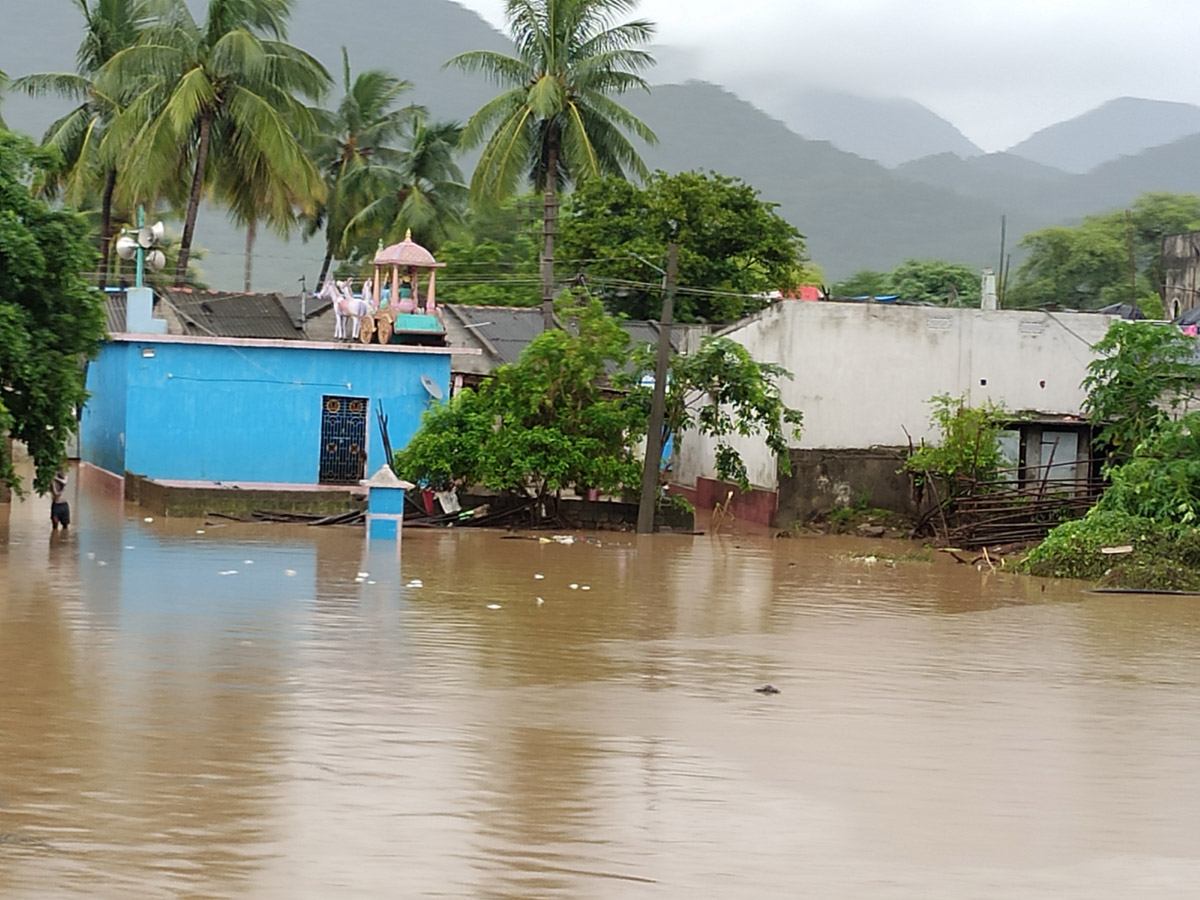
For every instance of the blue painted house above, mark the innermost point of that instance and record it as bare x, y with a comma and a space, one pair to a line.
282, 412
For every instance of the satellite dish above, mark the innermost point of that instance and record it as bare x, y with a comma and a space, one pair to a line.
150, 235
126, 247
431, 387
155, 260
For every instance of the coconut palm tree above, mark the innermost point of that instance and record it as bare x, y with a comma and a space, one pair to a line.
222, 92
557, 122
360, 133
417, 189
89, 162
253, 191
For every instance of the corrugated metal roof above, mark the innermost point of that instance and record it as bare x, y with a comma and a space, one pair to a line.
221, 314
313, 306
502, 331
114, 312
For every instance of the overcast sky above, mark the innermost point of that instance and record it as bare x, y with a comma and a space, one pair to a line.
997, 69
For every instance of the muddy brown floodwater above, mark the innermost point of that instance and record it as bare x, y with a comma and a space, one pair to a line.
240, 713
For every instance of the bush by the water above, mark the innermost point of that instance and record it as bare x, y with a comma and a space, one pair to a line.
1164, 556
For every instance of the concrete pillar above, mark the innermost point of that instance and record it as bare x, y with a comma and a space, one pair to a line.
385, 505
139, 312
989, 290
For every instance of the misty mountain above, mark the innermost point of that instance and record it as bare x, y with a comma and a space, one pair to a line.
888, 130
855, 213
1117, 128
1001, 178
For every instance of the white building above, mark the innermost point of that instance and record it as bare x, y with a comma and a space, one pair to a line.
863, 377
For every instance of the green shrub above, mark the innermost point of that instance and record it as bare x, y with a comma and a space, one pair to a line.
1163, 556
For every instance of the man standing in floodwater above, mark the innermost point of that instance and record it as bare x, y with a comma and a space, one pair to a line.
60, 510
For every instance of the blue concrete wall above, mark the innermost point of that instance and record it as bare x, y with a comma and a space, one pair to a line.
102, 425
253, 413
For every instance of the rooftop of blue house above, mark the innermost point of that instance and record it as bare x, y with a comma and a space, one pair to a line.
226, 402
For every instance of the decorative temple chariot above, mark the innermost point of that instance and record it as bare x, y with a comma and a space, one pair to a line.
394, 307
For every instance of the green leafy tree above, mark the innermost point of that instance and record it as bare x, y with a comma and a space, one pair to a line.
88, 163
571, 410
865, 283
548, 422
937, 282
362, 131
217, 94
733, 246
1142, 374
1161, 480
720, 391
556, 122
50, 321
492, 258
1110, 258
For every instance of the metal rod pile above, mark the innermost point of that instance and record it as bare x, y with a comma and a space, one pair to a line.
1021, 505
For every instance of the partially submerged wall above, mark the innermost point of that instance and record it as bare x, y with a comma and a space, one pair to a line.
824, 480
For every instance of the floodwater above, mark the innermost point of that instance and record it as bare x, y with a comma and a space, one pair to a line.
240, 713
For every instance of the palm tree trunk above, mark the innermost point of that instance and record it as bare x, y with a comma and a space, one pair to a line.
251, 236
324, 269
189, 221
110, 184
549, 211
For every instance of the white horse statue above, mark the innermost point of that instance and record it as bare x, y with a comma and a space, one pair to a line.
345, 305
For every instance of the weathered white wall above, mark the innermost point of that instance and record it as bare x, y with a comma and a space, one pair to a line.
864, 372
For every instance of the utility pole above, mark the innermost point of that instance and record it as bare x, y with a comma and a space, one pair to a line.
304, 304
548, 231
658, 400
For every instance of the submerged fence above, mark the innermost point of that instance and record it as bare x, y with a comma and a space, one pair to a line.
1019, 505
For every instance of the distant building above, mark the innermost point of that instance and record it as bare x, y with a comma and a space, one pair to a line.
1181, 273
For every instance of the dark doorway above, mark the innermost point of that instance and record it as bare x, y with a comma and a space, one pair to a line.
343, 439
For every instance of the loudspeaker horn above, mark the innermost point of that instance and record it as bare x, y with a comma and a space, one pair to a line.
150, 235
126, 247
155, 260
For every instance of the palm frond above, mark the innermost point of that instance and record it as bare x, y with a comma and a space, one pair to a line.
489, 114
62, 84
499, 67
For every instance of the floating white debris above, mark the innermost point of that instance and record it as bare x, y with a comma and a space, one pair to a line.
540, 601
542, 540
228, 572
585, 587
148, 519
564, 539
372, 581
359, 580
199, 531
290, 573
539, 577
573, 586
493, 606
416, 582
91, 556
247, 562
101, 563
129, 547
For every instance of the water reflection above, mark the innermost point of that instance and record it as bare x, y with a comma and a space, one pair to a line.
223, 710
